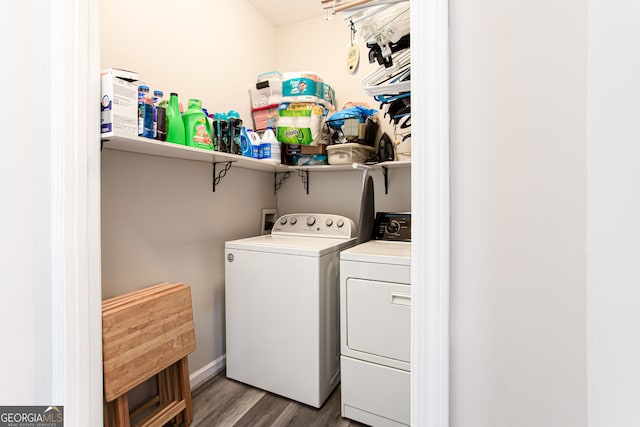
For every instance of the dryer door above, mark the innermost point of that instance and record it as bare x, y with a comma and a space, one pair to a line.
378, 316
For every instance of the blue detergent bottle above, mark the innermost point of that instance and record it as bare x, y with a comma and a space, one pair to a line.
245, 142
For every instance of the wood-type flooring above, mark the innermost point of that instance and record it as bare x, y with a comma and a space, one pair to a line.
221, 402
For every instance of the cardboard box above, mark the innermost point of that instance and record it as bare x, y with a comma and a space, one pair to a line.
289, 152
119, 103
313, 149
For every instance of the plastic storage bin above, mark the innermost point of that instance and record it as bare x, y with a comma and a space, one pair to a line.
265, 93
264, 117
344, 154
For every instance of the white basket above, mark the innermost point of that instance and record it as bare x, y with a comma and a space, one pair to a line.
345, 154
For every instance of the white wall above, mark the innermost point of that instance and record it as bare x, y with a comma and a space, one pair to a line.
614, 209
518, 203
25, 219
160, 219
199, 49
339, 192
162, 222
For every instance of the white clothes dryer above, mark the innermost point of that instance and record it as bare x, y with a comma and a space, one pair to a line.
375, 326
282, 308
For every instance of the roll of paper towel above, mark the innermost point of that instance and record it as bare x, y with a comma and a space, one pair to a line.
300, 122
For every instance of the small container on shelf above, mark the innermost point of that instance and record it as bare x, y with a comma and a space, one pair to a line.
344, 154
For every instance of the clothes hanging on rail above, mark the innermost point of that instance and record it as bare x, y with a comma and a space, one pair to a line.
384, 25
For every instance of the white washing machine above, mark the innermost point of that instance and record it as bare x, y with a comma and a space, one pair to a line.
375, 325
282, 308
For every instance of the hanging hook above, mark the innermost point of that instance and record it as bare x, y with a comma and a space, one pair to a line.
353, 30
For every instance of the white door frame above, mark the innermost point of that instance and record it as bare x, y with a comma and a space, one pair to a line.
430, 213
75, 181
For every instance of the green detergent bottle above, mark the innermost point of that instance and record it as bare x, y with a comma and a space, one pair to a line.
197, 128
175, 125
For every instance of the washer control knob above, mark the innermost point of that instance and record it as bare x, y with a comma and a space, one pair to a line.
340, 223
293, 221
311, 220
283, 221
329, 222
393, 227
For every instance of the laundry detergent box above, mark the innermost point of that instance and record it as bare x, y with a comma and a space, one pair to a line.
119, 103
300, 122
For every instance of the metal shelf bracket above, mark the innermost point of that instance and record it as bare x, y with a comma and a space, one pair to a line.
385, 173
277, 183
221, 174
304, 174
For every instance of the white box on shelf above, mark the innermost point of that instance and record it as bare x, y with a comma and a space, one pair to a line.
119, 103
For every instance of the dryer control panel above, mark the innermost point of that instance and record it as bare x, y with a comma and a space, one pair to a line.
318, 225
392, 226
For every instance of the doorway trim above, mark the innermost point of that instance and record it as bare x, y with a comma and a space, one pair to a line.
76, 363
430, 210
78, 285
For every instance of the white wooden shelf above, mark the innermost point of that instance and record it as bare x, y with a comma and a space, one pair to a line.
322, 168
332, 168
392, 165
137, 144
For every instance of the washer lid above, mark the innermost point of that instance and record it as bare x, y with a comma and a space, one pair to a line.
379, 251
291, 245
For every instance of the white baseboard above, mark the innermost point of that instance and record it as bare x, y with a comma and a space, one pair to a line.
207, 372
